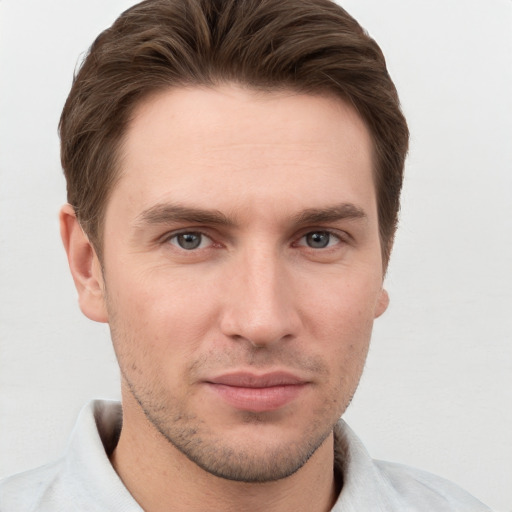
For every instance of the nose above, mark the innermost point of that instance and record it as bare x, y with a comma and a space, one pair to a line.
261, 306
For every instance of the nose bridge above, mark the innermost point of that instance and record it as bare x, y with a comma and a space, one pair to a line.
260, 306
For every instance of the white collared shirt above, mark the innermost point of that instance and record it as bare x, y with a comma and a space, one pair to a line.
84, 480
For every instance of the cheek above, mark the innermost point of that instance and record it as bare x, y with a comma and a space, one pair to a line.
154, 315
342, 317
345, 306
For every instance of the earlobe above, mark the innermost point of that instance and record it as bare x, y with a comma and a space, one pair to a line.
382, 303
84, 265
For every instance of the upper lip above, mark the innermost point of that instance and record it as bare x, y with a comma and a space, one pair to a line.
251, 380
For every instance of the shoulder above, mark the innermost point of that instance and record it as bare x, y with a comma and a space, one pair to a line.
24, 492
427, 490
83, 479
370, 484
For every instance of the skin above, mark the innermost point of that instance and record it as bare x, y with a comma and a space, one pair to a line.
261, 181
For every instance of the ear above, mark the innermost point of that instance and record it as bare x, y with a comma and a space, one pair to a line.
382, 303
84, 265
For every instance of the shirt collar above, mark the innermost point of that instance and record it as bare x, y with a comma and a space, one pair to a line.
97, 432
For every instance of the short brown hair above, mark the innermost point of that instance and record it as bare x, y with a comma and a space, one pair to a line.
311, 46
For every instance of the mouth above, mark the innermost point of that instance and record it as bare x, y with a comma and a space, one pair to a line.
257, 393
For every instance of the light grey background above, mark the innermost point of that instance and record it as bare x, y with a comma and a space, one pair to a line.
437, 390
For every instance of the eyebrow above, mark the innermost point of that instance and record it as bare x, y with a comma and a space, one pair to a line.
330, 214
169, 213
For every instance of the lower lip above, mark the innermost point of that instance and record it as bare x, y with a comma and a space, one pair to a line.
258, 399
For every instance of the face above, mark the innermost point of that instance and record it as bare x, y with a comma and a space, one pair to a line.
242, 273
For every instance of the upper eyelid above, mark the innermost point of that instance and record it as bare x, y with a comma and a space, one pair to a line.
175, 232
342, 235
202, 237
339, 233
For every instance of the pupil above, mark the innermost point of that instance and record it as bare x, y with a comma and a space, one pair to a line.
318, 240
189, 240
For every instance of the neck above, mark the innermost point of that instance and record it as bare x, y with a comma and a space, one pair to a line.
160, 477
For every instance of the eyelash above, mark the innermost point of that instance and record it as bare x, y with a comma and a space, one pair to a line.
174, 236
330, 233
341, 238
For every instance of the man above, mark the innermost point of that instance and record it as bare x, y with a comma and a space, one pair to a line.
234, 171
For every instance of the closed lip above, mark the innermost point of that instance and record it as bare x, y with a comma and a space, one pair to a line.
252, 380
258, 393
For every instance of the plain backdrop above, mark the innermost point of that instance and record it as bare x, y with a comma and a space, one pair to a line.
437, 390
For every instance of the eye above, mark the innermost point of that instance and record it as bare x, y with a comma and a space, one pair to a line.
319, 239
190, 240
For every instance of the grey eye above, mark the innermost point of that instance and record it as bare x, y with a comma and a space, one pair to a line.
188, 241
318, 239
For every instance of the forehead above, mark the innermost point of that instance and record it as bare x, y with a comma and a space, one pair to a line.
230, 144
